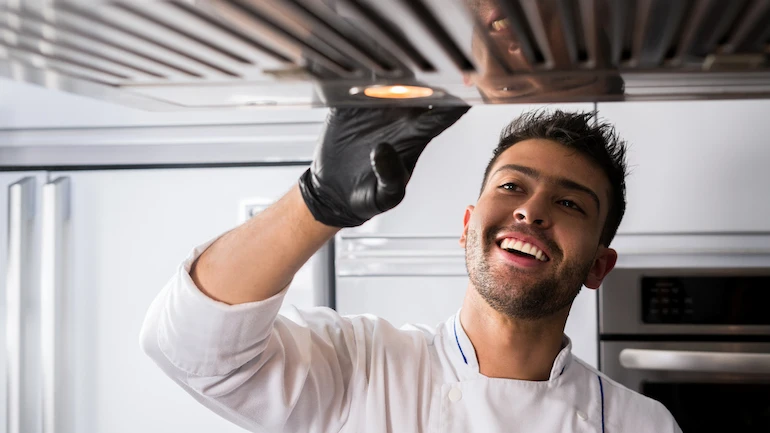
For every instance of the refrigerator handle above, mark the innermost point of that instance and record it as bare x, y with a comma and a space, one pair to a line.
21, 213
56, 209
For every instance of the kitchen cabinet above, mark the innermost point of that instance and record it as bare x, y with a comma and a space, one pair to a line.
695, 166
110, 240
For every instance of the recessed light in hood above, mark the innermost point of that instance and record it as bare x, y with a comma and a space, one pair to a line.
204, 54
394, 91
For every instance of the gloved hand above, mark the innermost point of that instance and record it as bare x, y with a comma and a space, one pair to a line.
366, 157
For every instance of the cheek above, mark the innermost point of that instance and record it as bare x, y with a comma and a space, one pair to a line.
577, 241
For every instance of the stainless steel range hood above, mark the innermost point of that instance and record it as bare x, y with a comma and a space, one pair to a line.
300, 53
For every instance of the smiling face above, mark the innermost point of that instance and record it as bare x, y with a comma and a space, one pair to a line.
532, 240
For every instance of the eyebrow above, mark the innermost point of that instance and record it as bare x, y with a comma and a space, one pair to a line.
560, 181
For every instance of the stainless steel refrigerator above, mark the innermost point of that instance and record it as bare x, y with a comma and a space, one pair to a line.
83, 256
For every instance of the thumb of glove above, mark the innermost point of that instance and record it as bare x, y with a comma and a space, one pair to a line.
392, 176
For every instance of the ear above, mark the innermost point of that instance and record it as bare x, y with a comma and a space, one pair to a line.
603, 263
466, 220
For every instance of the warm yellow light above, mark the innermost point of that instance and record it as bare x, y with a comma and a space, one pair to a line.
398, 92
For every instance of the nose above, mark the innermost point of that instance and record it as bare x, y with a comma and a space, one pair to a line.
534, 211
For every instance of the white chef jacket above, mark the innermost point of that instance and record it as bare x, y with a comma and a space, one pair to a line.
316, 371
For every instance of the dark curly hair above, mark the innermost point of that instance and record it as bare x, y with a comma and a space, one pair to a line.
582, 132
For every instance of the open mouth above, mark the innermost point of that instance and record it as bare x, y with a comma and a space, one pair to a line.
523, 249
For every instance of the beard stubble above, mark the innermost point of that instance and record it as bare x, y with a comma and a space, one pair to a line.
512, 292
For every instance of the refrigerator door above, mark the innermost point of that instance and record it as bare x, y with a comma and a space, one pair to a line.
19, 306
122, 237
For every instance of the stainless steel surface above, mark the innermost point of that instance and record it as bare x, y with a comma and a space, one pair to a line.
228, 53
620, 303
611, 363
398, 255
53, 298
692, 361
21, 210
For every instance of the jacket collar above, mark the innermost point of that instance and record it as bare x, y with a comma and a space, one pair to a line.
463, 354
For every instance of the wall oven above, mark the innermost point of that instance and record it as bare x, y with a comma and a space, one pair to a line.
695, 339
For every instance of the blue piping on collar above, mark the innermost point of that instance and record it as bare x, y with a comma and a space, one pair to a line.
454, 322
601, 389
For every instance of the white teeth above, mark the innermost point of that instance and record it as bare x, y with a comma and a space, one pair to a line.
500, 24
524, 247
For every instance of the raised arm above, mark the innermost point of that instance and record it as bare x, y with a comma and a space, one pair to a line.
258, 259
361, 169
215, 329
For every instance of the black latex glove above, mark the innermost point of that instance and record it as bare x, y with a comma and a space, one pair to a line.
365, 159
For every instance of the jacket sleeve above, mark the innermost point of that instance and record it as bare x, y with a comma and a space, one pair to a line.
254, 367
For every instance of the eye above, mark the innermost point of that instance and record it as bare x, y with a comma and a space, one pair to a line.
510, 186
570, 204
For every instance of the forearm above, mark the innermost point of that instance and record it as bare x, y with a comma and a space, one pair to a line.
259, 258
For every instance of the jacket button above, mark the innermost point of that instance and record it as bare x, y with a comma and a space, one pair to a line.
582, 415
455, 395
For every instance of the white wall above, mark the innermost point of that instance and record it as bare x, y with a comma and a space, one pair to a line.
695, 166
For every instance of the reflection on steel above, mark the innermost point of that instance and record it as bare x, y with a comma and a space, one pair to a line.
482, 51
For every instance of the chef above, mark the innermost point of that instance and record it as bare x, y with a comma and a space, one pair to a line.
551, 201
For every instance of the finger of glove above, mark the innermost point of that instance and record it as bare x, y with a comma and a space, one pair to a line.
391, 175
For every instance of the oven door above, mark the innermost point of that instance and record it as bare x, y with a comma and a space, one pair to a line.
707, 386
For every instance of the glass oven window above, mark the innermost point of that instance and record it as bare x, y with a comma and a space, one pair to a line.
709, 407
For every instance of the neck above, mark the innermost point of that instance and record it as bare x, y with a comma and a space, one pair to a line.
508, 347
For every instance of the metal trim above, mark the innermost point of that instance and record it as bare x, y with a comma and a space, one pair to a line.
21, 211
52, 303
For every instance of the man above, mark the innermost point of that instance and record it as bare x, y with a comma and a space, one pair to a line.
551, 202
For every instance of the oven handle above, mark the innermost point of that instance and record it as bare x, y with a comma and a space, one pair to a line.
692, 361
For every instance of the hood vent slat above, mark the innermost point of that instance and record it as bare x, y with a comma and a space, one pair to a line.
24, 47
297, 27
96, 19
388, 34
323, 30
250, 18
241, 36
31, 19
189, 35
752, 19
439, 34
522, 32
38, 38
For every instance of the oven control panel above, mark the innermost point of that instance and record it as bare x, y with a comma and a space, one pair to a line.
707, 300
